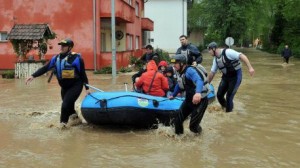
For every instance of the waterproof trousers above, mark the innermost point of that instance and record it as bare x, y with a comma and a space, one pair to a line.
69, 96
197, 112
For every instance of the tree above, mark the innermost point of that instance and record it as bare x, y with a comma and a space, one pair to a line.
222, 17
277, 31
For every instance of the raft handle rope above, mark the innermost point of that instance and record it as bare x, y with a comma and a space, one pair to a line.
104, 101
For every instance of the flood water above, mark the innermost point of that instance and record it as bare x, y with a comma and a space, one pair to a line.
263, 130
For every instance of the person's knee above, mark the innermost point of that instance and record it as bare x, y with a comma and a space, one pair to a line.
67, 105
220, 98
64, 106
220, 95
136, 79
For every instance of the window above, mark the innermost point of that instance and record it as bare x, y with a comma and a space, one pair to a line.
103, 42
137, 42
3, 36
129, 2
136, 8
129, 42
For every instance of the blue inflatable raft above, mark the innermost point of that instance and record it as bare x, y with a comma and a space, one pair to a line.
131, 108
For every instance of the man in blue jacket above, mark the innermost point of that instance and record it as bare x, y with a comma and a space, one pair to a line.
286, 54
70, 72
193, 81
190, 51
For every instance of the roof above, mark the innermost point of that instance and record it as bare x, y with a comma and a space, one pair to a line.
29, 32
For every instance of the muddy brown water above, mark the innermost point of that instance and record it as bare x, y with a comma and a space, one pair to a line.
263, 130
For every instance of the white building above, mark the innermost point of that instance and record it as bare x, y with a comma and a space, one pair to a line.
170, 22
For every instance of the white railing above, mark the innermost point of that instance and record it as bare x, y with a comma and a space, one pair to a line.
25, 69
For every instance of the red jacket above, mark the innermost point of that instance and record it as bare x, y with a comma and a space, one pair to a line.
160, 84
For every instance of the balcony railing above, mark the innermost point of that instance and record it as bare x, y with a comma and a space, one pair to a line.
147, 24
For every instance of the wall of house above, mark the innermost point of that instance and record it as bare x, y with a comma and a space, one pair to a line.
67, 18
170, 21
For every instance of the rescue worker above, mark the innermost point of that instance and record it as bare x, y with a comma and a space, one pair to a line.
194, 82
70, 72
228, 62
190, 51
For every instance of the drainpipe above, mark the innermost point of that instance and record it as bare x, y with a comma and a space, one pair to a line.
183, 17
94, 35
113, 39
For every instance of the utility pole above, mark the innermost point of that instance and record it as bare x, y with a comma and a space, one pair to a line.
95, 35
113, 39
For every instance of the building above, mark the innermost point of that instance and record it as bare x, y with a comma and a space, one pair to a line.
170, 17
87, 22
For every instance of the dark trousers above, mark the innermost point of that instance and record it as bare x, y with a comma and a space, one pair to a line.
229, 86
197, 112
69, 96
286, 59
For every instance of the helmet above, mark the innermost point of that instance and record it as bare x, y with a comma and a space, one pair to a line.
66, 42
179, 58
212, 45
170, 69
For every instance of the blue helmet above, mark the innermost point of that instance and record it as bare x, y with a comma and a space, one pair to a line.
66, 42
212, 45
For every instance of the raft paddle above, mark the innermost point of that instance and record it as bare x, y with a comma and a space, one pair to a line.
93, 87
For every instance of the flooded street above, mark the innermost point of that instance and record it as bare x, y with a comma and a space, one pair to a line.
263, 130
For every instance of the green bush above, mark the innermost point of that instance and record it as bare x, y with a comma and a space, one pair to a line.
125, 69
10, 74
163, 55
134, 60
105, 70
201, 47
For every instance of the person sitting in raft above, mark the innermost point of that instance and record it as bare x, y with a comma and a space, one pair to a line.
171, 80
162, 66
151, 82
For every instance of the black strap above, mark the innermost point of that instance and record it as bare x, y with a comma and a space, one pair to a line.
151, 83
51, 75
53, 69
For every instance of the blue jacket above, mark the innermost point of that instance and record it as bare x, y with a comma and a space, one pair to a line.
194, 83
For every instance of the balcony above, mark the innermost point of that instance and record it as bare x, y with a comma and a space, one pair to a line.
123, 11
147, 24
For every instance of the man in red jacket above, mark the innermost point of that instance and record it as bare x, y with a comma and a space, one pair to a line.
152, 82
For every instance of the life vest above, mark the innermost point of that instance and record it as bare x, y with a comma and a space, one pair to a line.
226, 66
190, 59
63, 68
189, 85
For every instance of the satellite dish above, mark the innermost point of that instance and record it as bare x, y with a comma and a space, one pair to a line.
119, 35
229, 41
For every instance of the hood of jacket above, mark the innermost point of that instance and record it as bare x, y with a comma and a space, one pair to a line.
151, 66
